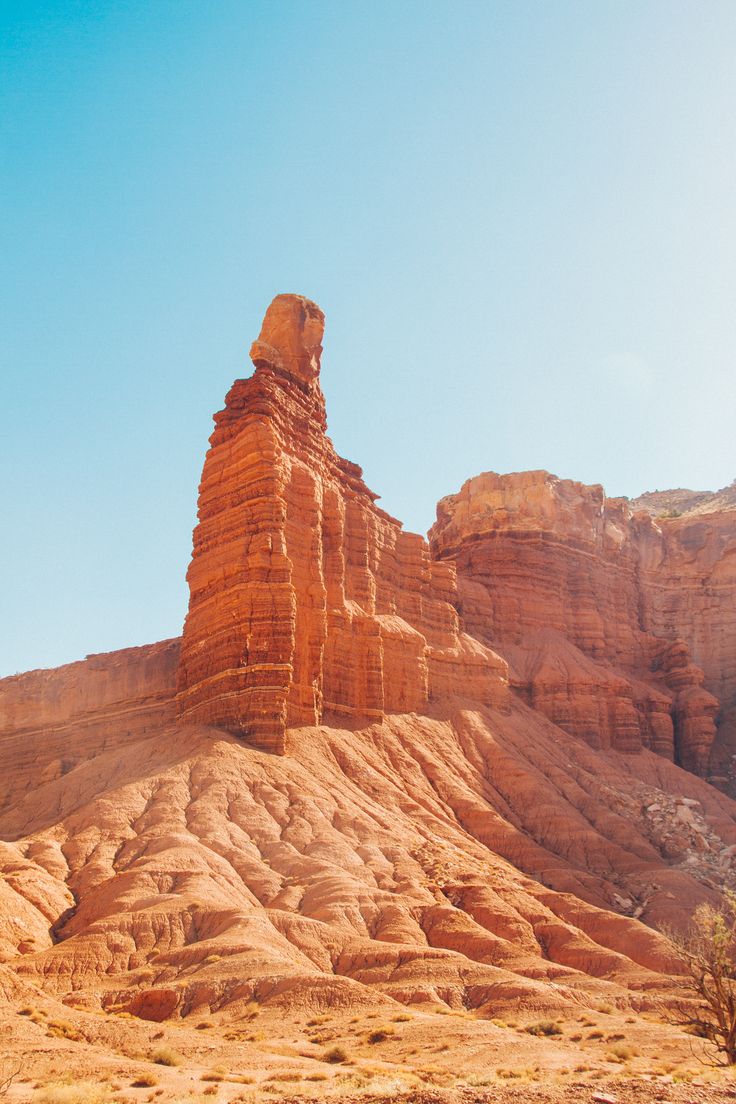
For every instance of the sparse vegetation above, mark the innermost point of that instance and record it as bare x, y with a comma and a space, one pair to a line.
8, 1074
708, 951
544, 1027
380, 1034
166, 1056
620, 1054
145, 1081
83, 1092
335, 1055
62, 1029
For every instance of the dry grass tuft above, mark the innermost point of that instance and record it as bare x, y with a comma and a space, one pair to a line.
83, 1092
166, 1056
544, 1027
335, 1055
380, 1034
144, 1081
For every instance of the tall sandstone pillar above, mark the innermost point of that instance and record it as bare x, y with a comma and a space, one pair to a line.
306, 599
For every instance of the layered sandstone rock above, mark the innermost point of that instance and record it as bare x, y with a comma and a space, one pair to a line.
688, 586
619, 627
306, 599
50, 720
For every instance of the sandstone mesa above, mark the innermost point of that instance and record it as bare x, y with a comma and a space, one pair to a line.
474, 773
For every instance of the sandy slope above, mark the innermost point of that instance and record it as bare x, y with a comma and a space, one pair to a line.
459, 870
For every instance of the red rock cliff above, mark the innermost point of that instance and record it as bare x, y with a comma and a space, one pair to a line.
306, 599
620, 627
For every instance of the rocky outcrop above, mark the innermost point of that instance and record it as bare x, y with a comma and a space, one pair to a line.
51, 720
307, 601
674, 503
619, 627
688, 586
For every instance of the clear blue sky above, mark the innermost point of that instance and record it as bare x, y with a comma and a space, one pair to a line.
519, 218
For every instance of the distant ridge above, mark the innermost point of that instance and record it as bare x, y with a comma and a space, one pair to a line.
680, 500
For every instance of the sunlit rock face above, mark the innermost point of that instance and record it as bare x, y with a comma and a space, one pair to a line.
307, 600
620, 627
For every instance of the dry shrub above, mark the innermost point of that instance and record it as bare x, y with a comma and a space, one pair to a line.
145, 1081
544, 1027
83, 1092
335, 1055
166, 1056
380, 1034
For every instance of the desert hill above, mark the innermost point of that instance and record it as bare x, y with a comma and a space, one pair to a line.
442, 792
680, 501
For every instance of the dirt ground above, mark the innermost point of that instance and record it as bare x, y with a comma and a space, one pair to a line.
426, 1057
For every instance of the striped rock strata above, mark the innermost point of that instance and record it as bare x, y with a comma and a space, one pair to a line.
307, 601
618, 627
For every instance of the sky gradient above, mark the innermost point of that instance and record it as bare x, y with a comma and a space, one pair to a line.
518, 217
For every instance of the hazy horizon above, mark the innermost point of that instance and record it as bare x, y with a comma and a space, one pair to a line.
518, 219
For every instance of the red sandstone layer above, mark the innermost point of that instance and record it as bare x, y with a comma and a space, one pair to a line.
50, 720
307, 600
620, 628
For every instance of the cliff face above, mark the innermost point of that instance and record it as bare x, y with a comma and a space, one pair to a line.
307, 600
620, 628
52, 720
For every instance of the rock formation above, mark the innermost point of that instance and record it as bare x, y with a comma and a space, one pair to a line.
307, 600
619, 627
49, 720
478, 802
675, 503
